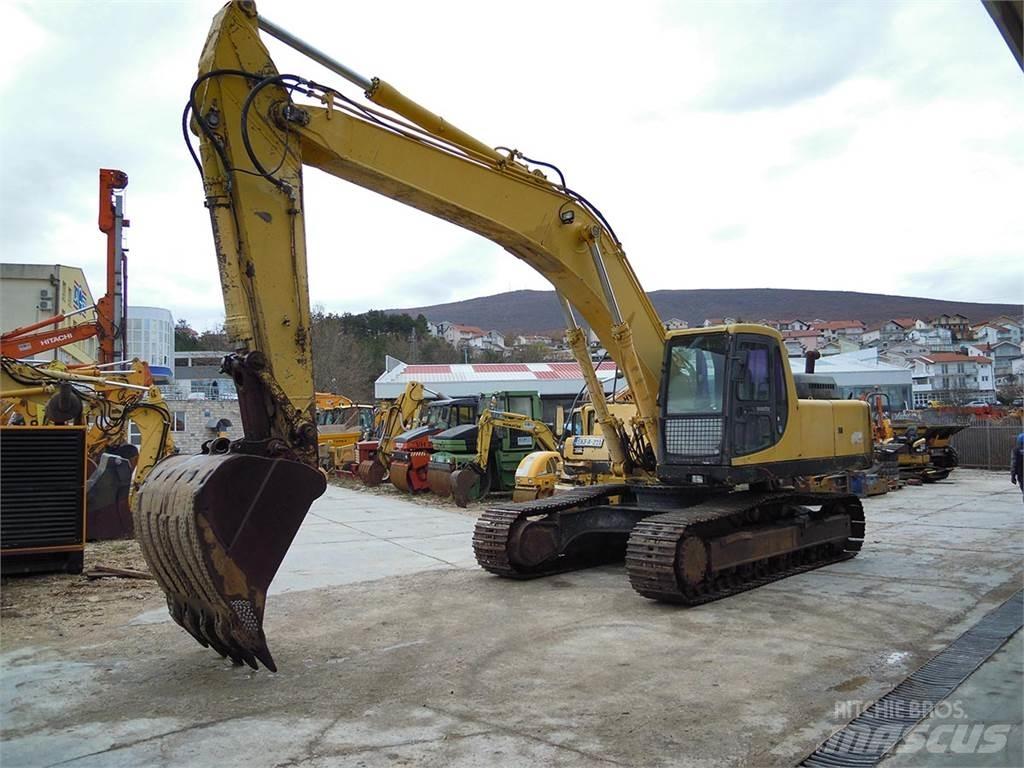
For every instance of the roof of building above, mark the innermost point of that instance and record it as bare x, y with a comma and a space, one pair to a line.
835, 325
462, 379
953, 357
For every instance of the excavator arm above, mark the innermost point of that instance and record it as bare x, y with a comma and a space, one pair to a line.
463, 479
398, 417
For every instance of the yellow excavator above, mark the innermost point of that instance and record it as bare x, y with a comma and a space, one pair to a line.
582, 458
705, 505
472, 480
105, 399
395, 418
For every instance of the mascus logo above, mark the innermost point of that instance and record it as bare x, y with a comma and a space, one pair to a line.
55, 339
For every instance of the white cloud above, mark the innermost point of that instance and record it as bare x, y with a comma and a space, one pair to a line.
866, 147
24, 39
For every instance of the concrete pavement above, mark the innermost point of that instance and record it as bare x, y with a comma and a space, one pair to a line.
395, 649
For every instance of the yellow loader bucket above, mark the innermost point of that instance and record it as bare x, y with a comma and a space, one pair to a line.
214, 530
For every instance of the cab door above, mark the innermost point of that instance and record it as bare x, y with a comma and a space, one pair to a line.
757, 395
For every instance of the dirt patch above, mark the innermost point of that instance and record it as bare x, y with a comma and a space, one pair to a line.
474, 509
48, 606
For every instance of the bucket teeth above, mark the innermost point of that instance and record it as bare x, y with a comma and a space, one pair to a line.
214, 530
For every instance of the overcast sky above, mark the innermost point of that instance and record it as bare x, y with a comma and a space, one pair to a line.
870, 146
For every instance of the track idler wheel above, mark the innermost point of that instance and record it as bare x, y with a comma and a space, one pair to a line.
372, 473
470, 483
214, 530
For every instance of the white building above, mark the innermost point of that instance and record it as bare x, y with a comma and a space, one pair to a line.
151, 338
935, 338
953, 378
861, 371
491, 341
30, 293
834, 329
1001, 329
556, 383
457, 334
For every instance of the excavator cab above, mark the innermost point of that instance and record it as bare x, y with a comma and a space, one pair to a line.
730, 413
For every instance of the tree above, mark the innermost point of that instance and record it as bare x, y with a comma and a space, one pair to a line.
349, 350
185, 337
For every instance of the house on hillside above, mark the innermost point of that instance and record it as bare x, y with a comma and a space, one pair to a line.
675, 324
888, 333
492, 341
709, 321
1000, 329
848, 329
956, 324
793, 325
457, 334
799, 342
952, 377
903, 353
837, 346
935, 338
533, 340
1003, 354
440, 329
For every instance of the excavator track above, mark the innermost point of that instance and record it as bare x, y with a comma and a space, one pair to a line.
668, 556
494, 534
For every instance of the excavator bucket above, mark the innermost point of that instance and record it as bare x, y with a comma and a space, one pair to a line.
214, 530
468, 484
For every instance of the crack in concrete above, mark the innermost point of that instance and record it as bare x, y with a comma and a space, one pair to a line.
357, 749
500, 728
184, 729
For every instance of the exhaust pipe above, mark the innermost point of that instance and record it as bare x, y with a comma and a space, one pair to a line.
809, 357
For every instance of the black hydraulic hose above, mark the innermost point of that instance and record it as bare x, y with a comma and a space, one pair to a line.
273, 80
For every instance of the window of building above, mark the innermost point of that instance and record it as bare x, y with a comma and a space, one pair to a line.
177, 421
134, 434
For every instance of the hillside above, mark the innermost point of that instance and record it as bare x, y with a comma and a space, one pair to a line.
538, 311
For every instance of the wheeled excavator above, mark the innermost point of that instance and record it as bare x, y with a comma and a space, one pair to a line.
705, 507
475, 478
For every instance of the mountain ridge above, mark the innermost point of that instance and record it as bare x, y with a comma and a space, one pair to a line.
532, 311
